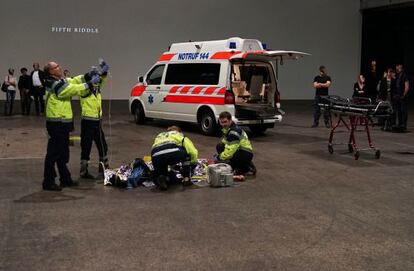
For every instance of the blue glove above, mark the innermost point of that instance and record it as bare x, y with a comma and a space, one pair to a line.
104, 67
95, 79
93, 72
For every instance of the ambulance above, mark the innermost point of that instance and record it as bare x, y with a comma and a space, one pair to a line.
196, 81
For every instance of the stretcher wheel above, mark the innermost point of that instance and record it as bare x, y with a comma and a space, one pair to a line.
330, 149
377, 154
356, 155
350, 148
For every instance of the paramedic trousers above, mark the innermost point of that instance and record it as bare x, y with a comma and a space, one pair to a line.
91, 131
240, 162
317, 111
57, 152
169, 155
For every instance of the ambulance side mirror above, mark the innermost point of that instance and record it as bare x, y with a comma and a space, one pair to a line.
141, 79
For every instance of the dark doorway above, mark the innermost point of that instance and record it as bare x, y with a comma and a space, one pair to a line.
388, 37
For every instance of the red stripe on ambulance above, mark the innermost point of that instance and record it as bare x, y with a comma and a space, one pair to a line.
210, 90
197, 90
224, 55
166, 57
184, 90
174, 89
137, 90
222, 91
194, 99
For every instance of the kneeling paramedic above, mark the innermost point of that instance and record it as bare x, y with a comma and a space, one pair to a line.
59, 121
234, 148
91, 126
170, 148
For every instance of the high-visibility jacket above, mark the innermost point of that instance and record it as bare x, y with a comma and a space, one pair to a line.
234, 139
59, 94
91, 103
177, 138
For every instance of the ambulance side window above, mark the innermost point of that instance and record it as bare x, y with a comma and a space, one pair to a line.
154, 77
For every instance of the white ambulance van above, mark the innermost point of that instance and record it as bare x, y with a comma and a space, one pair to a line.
196, 81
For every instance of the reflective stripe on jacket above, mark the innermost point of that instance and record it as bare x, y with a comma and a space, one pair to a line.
234, 138
59, 94
177, 138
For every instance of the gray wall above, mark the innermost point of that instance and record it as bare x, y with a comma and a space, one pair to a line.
132, 35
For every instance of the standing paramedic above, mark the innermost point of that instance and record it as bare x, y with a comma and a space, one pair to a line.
321, 83
59, 121
235, 147
170, 148
91, 127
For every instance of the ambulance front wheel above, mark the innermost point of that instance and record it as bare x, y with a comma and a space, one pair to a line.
207, 122
139, 114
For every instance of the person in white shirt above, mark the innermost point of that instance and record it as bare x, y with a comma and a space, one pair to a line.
38, 89
11, 83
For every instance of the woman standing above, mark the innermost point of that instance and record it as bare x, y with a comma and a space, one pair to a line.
359, 87
11, 84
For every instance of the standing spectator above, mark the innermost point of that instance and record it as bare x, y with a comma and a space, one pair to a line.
25, 84
321, 83
372, 80
359, 87
11, 84
386, 88
38, 89
400, 98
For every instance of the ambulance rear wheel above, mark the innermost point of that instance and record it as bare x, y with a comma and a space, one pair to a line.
207, 122
139, 114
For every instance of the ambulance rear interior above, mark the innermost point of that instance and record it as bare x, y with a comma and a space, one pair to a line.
257, 99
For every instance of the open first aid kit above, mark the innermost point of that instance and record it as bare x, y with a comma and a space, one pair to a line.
220, 175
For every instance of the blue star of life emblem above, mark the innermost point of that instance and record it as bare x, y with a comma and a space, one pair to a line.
150, 99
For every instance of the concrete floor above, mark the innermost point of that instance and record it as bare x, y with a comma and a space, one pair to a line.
306, 209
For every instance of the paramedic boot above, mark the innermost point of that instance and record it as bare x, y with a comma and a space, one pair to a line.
187, 181
161, 182
252, 169
84, 173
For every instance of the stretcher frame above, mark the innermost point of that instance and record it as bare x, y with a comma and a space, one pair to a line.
351, 114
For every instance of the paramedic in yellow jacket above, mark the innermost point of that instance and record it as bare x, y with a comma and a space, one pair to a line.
91, 126
170, 148
235, 147
59, 121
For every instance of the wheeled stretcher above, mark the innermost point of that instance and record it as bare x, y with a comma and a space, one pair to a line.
351, 113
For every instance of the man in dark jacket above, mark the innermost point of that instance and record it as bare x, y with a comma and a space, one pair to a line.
38, 89
400, 98
24, 85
